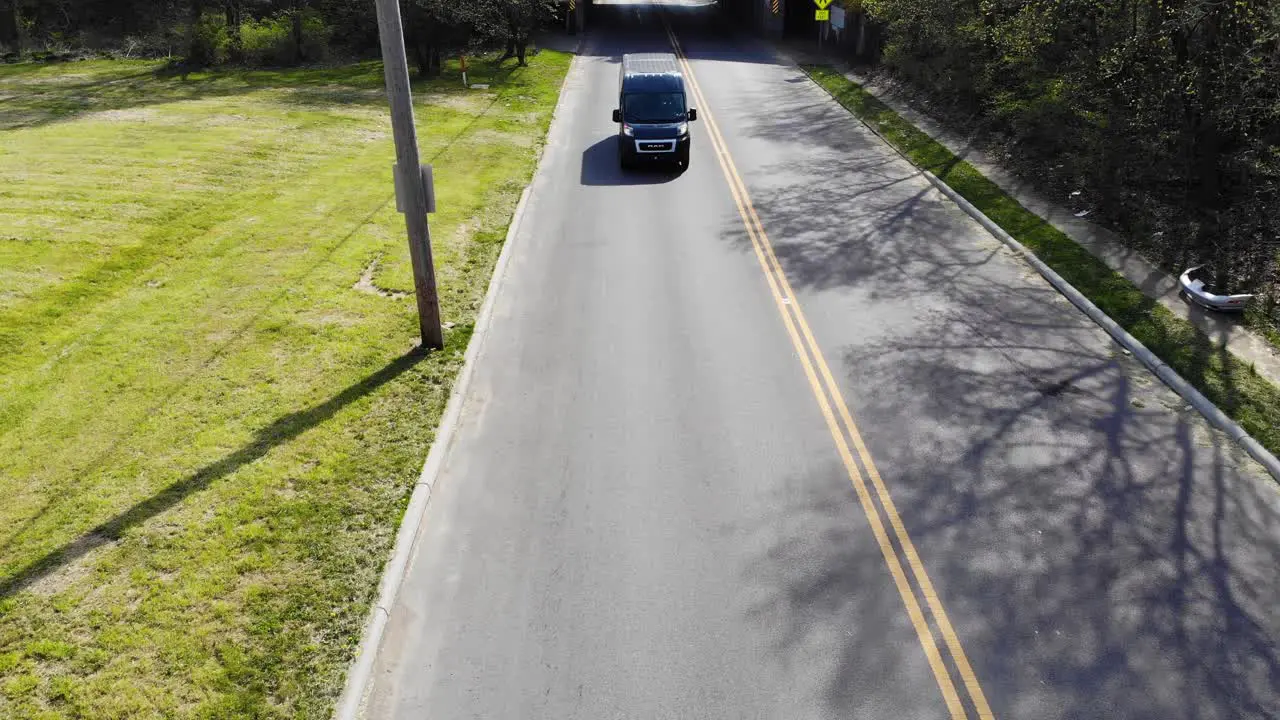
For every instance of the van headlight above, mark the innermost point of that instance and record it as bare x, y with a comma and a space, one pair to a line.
627, 130
682, 129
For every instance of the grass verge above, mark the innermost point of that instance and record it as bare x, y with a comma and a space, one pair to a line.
1231, 384
212, 412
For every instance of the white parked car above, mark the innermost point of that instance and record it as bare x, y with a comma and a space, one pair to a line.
1196, 285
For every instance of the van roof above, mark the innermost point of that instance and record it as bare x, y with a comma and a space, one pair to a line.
651, 72
650, 64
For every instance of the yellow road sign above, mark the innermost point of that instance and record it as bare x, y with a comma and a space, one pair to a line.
822, 4
821, 15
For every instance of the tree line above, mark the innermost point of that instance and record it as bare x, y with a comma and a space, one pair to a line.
266, 32
1163, 116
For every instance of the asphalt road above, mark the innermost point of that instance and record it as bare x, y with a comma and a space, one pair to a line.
648, 512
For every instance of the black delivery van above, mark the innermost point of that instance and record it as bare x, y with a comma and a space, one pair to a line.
653, 114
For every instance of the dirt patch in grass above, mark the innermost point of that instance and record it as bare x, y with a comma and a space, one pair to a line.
365, 283
470, 101
69, 574
131, 115
503, 138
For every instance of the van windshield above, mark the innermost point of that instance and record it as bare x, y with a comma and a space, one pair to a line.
653, 108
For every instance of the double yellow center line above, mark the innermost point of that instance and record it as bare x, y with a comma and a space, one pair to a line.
845, 433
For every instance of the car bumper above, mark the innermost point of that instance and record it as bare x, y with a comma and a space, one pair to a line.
1197, 294
653, 149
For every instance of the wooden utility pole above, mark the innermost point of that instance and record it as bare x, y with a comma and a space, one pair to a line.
413, 181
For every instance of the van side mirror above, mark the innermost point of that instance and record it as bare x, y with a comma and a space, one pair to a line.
693, 115
617, 116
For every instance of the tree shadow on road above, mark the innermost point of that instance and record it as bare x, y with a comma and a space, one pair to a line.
1100, 550
1107, 552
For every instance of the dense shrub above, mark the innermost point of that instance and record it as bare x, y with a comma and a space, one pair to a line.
274, 41
209, 40
261, 32
1164, 115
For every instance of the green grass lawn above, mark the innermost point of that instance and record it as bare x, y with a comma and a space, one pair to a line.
208, 425
1249, 399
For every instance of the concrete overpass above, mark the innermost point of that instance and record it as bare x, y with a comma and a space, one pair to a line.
770, 18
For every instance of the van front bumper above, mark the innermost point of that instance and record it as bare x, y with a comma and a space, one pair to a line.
653, 149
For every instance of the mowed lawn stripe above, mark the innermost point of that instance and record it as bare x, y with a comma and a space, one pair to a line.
207, 430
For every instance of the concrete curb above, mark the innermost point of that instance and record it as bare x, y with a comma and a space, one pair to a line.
357, 686
1168, 375
356, 690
